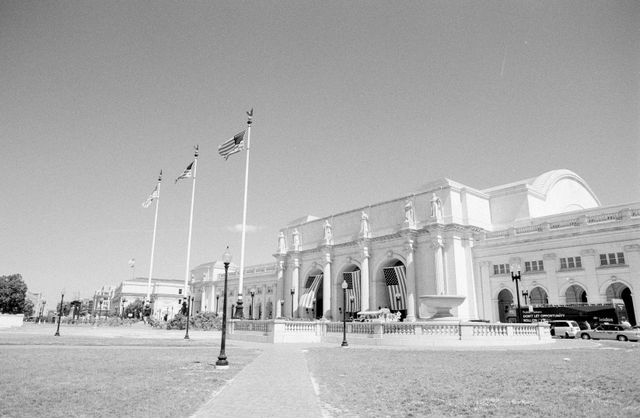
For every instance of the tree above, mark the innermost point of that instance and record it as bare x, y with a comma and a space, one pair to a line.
13, 292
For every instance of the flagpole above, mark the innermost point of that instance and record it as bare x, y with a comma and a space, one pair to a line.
239, 311
153, 241
193, 193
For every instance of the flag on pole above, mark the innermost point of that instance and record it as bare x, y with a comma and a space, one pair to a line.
154, 195
188, 172
232, 145
353, 290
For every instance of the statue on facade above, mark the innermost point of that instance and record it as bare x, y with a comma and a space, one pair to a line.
328, 234
282, 243
409, 214
296, 240
436, 208
365, 231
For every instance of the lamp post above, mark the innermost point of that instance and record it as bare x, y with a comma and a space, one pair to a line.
525, 293
352, 299
44, 302
217, 303
57, 334
100, 310
515, 276
222, 362
189, 299
253, 293
123, 302
293, 292
344, 316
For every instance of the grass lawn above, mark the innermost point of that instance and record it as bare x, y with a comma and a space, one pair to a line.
99, 377
362, 382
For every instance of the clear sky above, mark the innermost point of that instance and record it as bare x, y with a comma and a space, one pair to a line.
355, 102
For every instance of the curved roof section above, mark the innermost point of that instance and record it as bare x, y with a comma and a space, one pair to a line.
545, 181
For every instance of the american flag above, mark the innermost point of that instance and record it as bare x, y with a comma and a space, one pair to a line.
154, 195
306, 301
353, 289
232, 145
394, 278
188, 172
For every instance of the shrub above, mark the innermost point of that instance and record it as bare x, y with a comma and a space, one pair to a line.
205, 321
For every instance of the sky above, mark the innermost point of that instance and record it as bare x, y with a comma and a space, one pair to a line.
356, 102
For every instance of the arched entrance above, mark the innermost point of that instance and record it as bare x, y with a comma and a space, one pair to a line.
576, 294
505, 300
620, 291
538, 296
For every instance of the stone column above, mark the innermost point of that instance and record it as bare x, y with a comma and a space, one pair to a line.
326, 285
438, 244
411, 280
203, 299
281, 291
364, 280
483, 283
551, 269
295, 284
632, 259
589, 263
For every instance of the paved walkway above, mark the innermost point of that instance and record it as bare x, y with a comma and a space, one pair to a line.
276, 384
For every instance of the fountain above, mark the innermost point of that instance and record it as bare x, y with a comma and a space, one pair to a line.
438, 307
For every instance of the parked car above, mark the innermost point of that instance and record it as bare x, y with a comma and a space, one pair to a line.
611, 332
564, 329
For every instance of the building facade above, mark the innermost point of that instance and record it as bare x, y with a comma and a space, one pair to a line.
447, 242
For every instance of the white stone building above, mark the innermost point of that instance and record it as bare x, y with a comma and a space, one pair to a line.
449, 239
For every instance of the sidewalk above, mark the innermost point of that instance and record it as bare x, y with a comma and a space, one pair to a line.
275, 384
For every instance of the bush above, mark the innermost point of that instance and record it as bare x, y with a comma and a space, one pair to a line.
205, 321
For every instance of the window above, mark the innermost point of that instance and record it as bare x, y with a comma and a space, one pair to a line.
533, 266
179, 291
571, 263
500, 268
611, 259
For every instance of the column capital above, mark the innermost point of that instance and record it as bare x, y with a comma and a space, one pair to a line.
410, 245
365, 251
437, 242
282, 265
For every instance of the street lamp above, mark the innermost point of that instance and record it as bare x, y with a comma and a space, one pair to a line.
516, 278
222, 362
57, 334
44, 302
525, 293
253, 293
352, 299
293, 292
189, 299
123, 302
344, 317
217, 303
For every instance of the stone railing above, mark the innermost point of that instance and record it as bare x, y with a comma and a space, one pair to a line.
389, 333
558, 222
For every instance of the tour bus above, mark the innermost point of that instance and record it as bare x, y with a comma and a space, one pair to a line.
593, 314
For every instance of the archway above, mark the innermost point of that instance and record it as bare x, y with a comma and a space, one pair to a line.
576, 294
538, 296
620, 291
505, 300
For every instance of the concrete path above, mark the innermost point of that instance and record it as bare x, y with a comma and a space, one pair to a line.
276, 384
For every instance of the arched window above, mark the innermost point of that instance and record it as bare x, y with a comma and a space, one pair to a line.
614, 291
576, 294
538, 296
